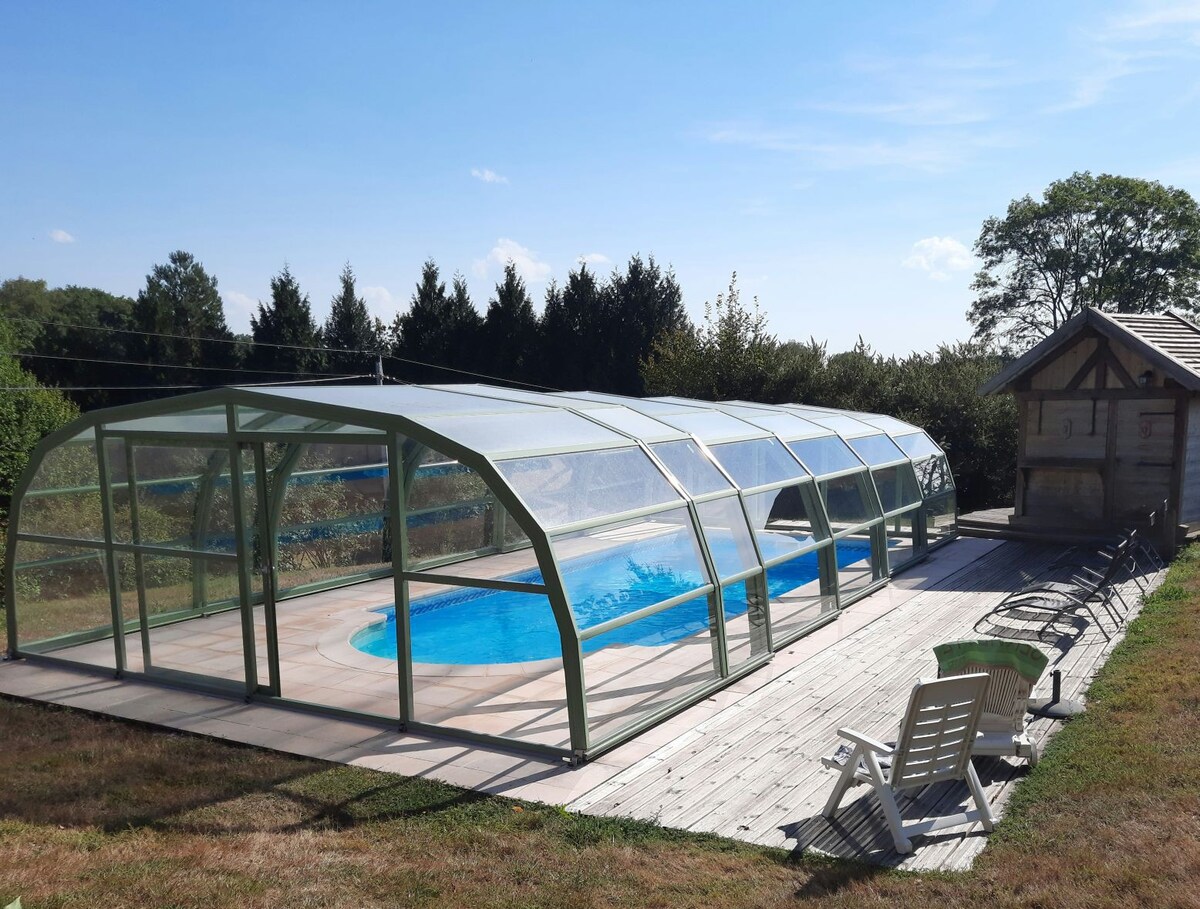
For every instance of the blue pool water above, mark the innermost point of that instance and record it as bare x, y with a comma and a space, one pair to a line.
473, 626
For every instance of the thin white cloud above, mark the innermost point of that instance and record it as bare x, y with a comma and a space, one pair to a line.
595, 259
922, 152
380, 302
239, 307
61, 236
529, 266
938, 257
487, 175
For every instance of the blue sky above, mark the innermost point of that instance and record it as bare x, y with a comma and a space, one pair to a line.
839, 157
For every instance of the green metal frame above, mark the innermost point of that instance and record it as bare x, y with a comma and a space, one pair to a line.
241, 447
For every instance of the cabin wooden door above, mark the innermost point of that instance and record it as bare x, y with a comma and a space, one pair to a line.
1143, 450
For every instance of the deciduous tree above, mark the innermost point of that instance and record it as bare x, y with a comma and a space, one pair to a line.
1116, 243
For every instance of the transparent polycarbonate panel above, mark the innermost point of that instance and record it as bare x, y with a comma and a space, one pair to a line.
175, 487
401, 400
641, 667
566, 488
63, 499
254, 419
887, 424
848, 500
784, 520
522, 563
333, 516
710, 426
856, 565
63, 604
785, 425
877, 449
745, 621
897, 486
917, 445
728, 536
691, 467
825, 455
207, 420
496, 434
900, 533
757, 462
635, 424
797, 596
190, 633
941, 519
846, 426
487, 661
439, 480
616, 569
934, 475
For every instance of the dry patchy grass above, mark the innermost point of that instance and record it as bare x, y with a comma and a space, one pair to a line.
99, 812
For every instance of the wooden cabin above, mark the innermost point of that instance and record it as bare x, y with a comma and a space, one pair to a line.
1109, 426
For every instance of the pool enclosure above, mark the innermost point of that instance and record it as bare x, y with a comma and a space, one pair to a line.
555, 571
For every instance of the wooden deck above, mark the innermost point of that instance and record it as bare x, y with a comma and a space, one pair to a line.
753, 770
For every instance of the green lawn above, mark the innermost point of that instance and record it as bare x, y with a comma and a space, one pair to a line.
96, 812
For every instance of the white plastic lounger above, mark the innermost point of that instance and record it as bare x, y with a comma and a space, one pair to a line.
934, 746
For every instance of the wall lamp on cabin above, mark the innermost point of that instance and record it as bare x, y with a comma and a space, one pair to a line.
1146, 379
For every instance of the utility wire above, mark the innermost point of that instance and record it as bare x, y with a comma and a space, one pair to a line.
269, 372
156, 387
159, 334
370, 353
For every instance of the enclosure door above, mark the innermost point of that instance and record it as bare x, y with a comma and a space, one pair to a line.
187, 564
1144, 457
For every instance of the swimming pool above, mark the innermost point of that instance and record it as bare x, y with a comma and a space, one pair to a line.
475, 626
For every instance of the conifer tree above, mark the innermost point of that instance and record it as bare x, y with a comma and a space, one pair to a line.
286, 321
180, 298
511, 331
350, 327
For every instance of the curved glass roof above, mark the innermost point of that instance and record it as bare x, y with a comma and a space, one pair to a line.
667, 544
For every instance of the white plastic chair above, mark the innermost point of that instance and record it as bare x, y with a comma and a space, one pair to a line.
934, 746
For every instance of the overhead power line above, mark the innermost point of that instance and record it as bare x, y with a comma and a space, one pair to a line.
243, 371
175, 387
159, 334
368, 353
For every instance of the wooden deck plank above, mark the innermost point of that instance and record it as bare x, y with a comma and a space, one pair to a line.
752, 771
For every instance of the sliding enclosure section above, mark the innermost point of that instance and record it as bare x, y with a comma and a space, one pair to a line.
940, 507
550, 571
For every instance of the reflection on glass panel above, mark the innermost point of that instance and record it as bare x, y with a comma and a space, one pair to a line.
897, 486
848, 501
941, 519
917, 445
614, 570
63, 499
837, 422
824, 455
757, 462
745, 621
333, 514
210, 420
451, 512
566, 488
887, 424
876, 449
901, 539
639, 668
796, 596
781, 522
253, 418
709, 426
695, 472
856, 568
934, 475
728, 535
63, 605
495, 433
